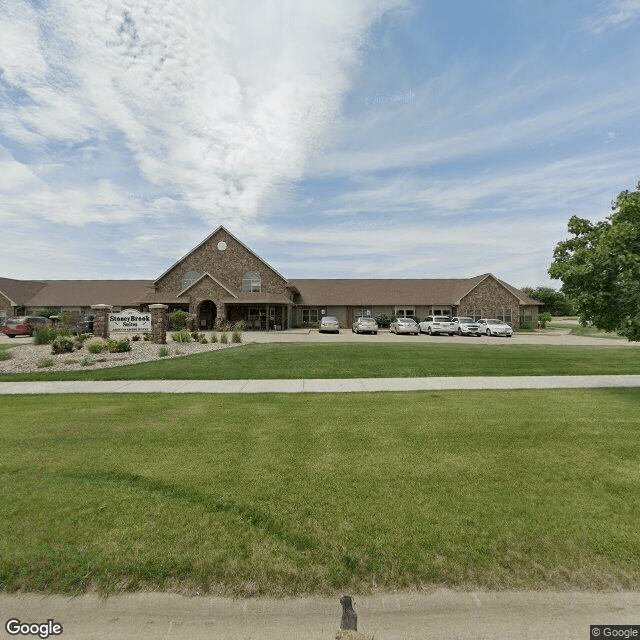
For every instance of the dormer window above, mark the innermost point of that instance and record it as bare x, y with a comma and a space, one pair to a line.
251, 282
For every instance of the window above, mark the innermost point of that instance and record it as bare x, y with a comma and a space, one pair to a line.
251, 282
504, 315
309, 316
440, 311
362, 313
188, 279
475, 314
406, 312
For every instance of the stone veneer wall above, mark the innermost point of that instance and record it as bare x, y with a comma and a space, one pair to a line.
227, 266
101, 320
5, 306
488, 296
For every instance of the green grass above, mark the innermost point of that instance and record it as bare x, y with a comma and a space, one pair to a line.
585, 332
349, 360
281, 494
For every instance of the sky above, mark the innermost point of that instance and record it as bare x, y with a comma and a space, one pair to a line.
346, 139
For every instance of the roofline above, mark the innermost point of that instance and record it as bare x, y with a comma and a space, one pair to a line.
205, 274
220, 228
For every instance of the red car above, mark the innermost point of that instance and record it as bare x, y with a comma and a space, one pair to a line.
24, 325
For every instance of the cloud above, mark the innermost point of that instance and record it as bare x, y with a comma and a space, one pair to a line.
614, 13
217, 102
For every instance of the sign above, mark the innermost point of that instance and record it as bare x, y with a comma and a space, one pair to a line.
130, 321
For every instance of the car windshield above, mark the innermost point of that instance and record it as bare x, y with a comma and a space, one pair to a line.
495, 322
12, 322
367, 320
405, 321
465, 319
329, 319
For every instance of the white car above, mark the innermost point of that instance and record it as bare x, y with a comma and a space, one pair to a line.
434, 325
494, 327
329, 323
466, 326
404, 325
365, 324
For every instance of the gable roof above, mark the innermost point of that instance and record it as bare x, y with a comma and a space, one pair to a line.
206, 274
18, 292
208, 239
354, 292
82, 293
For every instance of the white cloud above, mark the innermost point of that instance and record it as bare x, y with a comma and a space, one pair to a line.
614, 13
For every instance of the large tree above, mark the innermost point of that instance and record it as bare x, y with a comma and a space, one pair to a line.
600, 267
555, 302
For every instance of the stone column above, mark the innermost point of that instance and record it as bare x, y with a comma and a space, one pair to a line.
101, 320
158, 323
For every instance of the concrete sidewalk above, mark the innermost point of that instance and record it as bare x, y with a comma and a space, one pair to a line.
438, 615
321, 385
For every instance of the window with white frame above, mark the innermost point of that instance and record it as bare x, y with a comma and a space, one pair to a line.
251, 282
504, 315
188, 279
309, 316
405, 312
476, 314
362, 313
440, 311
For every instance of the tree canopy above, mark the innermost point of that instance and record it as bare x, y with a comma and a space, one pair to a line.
555, 302
600, 267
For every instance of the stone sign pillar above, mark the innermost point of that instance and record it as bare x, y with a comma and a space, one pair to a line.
158, 323
101, 320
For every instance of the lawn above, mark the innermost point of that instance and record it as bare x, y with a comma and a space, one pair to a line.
353, 360
586, 332
279, 495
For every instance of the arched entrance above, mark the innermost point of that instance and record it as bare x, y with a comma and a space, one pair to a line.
207, 315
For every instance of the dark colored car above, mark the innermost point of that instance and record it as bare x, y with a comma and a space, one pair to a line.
83, 326
24, 325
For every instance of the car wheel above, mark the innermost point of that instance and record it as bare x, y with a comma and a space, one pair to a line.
428, 331
488, 332
450, 334
11, 335
459, 331
375, 333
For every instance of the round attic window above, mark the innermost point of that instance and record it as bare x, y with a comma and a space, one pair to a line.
222, 245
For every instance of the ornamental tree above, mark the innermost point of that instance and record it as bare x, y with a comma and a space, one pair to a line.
600, 268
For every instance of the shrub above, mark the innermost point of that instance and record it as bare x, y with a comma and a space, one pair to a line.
236, 336
5, 354
203, 340
383, 320
46, 335
224, 337
47, 312
525, 326
178, 319
197, 336
85, 362
119, 346
45, 362
214, 338
96, 345
135, 338
543, 318
62, 344
163, 352
181, 336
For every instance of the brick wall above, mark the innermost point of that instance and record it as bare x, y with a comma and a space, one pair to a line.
489, 296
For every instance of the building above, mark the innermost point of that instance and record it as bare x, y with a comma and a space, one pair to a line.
222, 280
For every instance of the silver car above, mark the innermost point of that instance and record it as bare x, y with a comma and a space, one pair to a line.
404, 325
329, 323
466, 326
494, 327
365, 324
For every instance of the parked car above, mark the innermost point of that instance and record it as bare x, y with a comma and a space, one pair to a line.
465, 326
494, 327
404, 325
365, 324
83, 326
329, 323
434, 325
24, 325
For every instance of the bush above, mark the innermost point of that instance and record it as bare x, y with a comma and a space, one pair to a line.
197, 336
526, 326
178, 319
45, 362
181, 336
46, 312
46, 335
383, 320
61, 344
119, 346
543, 318
236, 336
224, 337
135, 338
85, 362
214, 338
96, 345
5, 355
203, 340
163, 352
